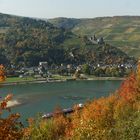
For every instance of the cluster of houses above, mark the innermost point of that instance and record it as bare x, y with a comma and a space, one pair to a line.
44, 70
40, 71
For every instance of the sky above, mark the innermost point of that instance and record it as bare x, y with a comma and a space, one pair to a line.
70, 8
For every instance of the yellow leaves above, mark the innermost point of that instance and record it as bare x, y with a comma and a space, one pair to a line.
2, 73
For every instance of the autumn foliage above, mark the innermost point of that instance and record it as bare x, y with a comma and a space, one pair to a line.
10, 128
130, 88
2, 73
116, 117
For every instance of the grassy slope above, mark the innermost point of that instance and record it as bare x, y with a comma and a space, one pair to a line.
118, 31
17, 79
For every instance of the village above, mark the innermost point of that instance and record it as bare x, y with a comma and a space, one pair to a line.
43, 70
75, 71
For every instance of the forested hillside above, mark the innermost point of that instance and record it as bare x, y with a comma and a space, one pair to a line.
27, 41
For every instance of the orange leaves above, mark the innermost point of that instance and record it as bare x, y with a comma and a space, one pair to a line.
62, 124
130, 89
138, 75
27, 132
104, 113
94, 110
9, 128
3, 104
2, 73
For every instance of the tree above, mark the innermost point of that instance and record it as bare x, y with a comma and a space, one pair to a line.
86, 69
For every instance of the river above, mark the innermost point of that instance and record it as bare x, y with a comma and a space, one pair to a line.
45, 97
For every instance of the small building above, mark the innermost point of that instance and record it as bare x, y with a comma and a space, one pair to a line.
43, 67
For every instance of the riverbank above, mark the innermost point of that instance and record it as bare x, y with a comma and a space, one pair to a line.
107, 78
31, 81
49, 80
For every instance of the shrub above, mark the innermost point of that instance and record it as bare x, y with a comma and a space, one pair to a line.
10, 127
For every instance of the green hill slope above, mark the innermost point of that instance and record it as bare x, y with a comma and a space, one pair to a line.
123, 32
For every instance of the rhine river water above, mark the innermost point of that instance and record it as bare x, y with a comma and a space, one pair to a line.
45, 97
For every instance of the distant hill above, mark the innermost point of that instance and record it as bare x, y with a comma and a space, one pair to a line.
120, 31
27, 41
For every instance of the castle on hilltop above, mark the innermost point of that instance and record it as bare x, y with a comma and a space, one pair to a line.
94, 40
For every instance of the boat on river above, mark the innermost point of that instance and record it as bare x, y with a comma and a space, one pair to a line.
64, 111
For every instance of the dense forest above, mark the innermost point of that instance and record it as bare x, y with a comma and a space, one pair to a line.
26, 41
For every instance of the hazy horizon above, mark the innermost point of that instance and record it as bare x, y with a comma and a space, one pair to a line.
72, 17
70, 8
